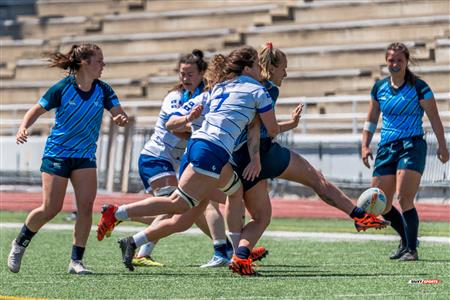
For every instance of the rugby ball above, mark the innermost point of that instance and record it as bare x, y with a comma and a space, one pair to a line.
372, 201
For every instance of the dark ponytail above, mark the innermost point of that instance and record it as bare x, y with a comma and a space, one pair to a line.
193, 58
240, 58
72, 59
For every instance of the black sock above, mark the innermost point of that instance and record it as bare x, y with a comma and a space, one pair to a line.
243, 252
397, 223
229, 247
412, 226
220, 250
77, 252
357, 212
25, 236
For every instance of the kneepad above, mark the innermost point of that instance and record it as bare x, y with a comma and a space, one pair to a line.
165, 191
232, 186
191, 201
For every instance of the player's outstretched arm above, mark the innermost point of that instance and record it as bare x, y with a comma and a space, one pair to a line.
30, 117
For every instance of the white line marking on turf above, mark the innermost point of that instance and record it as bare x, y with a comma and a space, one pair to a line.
321, 236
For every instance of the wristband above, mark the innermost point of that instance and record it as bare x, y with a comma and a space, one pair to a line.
370, 127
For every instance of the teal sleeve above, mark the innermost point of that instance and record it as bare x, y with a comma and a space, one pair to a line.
109, 96
374, 91
424, 92
52, 98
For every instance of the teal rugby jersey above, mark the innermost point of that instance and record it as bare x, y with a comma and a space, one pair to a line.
273, 91
78, 117
401, 111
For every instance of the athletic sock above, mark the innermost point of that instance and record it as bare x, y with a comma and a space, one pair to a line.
146, 250
121, 213
243, 252
412, 227
229, 249
357, 212
77, 252
140, 239
235, 237
397, 222
220, 248
24, 237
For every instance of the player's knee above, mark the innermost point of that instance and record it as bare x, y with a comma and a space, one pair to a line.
179, 205
406, 203
84, 212
262, 216
50, 212
184, 200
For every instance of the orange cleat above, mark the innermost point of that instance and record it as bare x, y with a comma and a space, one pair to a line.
369, 221
107, 222
258, 253
242, 266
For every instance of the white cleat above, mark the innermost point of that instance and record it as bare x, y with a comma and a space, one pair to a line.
15, 257
216, 261
77, 267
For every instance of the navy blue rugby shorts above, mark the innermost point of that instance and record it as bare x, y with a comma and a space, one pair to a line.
274, 161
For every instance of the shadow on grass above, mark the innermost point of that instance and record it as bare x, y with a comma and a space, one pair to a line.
162, 274
287, 266
435, 260
282, 274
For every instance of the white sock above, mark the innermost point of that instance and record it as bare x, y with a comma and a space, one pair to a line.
146, 250
121, 213
235, 237
140, 239
219, 242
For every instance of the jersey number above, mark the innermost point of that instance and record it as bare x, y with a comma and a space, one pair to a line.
221, 98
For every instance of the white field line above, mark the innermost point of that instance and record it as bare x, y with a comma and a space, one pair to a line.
320, 236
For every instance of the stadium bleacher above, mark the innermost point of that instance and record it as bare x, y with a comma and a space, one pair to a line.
345, 32
188, 19
442, 51
335, 50
326, 11
155, 42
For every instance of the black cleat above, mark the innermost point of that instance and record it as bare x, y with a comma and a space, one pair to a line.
399, 251
128, 248
410, 255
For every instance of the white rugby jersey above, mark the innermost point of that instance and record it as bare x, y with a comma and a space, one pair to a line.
185, 109
162, 143
231, 106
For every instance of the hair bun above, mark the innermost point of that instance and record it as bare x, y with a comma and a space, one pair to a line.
198, 53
